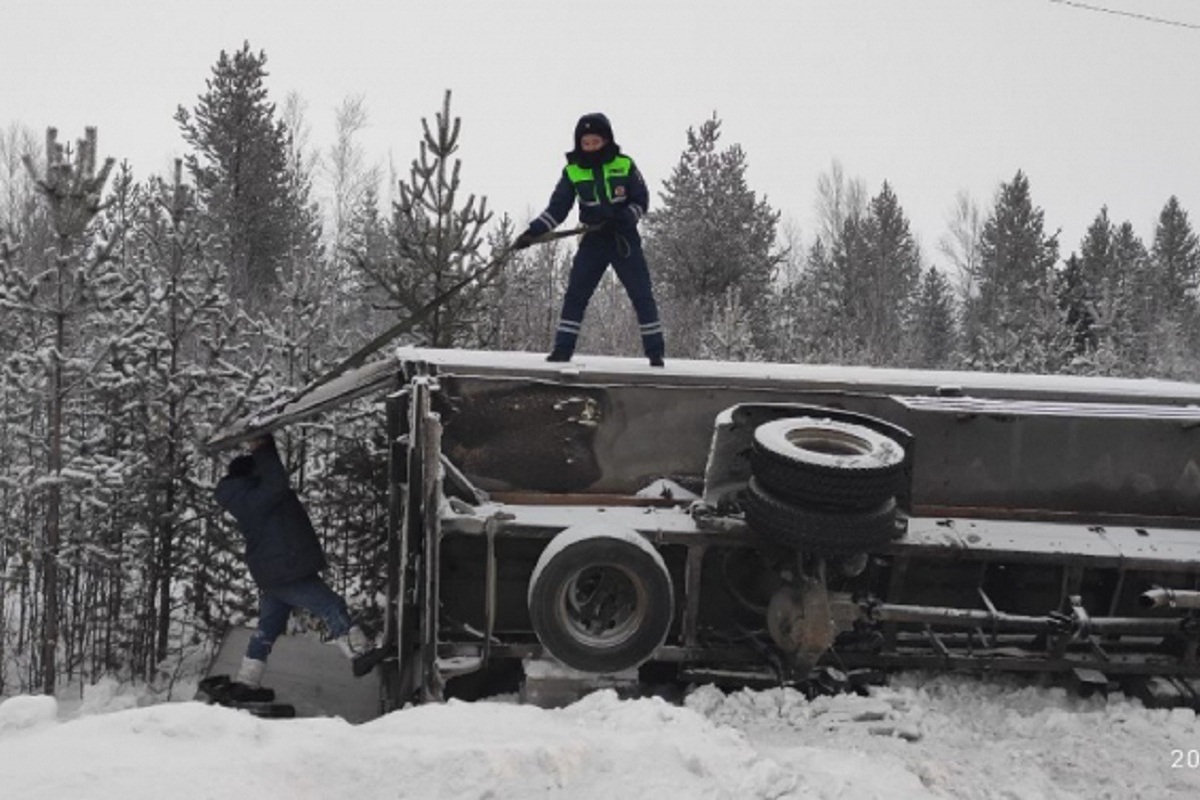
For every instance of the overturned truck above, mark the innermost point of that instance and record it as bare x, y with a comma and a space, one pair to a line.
757, 524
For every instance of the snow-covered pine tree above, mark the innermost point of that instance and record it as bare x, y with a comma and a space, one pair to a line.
436, 239
1093, 292
1138, 301
886, 280
786, 300
528, 294
833, 316
75, 280
931, 331
729, 336
711, 232
1175, 261
1013, 324
184, 305
239, 164
367, 243
824, 317
1176, 254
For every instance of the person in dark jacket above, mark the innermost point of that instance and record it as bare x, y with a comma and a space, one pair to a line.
285, 560
612, 198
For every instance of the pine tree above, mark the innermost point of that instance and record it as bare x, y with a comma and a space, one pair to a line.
1175, 262
1013, 324
862, 283
888, 278
76, 281
824, 296
711, 233
435, 241
183, 303
1139, 301
1091, 290
1176, 255
932, 335
240, 168
729, 336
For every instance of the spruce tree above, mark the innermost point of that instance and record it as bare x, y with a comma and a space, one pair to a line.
239, 163
888, 278
1014, 324
932, 335
1176, 255
1139, 301
1175, 261
711, 233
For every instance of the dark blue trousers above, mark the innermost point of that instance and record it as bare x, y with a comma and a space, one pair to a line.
275, 606
624, 252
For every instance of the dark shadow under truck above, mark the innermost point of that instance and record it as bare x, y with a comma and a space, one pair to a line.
605, 523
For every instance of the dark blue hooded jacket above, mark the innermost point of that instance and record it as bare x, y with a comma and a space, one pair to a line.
607, 183
281, 543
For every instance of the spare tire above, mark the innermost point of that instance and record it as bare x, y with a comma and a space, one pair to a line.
601, 599
821, 531
823, 462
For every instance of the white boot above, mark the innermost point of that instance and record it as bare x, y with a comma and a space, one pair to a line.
354, 643
251, 672
247, 686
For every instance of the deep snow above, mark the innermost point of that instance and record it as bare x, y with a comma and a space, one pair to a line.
920, 737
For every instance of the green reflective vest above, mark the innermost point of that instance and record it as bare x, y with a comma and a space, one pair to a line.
584, 178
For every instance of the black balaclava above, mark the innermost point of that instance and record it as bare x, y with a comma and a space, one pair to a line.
599, 124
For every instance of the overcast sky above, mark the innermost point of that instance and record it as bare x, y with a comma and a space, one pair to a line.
934, 96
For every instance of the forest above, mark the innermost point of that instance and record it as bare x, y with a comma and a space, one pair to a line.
138, 317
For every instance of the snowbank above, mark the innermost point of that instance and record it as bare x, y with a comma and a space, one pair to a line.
919, 738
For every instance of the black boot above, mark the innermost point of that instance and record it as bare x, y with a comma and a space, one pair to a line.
559, 354
656, 360
243, 693
362, 664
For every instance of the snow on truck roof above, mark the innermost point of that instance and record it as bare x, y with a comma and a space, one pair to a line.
383, 374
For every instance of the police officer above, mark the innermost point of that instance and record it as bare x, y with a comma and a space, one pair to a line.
612, 198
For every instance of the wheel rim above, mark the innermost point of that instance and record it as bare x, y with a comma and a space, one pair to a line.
601, 606
829, 442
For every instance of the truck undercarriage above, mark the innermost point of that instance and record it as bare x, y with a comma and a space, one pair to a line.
766, 524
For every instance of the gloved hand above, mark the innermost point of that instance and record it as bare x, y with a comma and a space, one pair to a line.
523, 241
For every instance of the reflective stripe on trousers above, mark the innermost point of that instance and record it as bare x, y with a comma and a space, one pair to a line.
624, 253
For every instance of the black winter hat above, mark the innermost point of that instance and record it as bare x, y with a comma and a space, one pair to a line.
241, 466
593, 123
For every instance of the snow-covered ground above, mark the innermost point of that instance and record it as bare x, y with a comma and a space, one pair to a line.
920, 737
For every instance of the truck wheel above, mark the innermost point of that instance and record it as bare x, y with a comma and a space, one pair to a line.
823, 462
601, 599
822, 531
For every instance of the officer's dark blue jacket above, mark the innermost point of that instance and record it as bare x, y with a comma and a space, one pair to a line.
281, 544
609, 187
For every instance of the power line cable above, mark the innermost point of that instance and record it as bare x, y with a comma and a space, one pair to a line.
1120, 13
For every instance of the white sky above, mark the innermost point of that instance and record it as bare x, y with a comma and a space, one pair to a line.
935, 96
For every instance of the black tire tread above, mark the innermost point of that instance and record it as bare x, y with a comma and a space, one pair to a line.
821, 531
804, 483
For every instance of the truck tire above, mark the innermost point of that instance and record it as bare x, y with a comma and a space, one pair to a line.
601, 599
821, 531
822, 462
